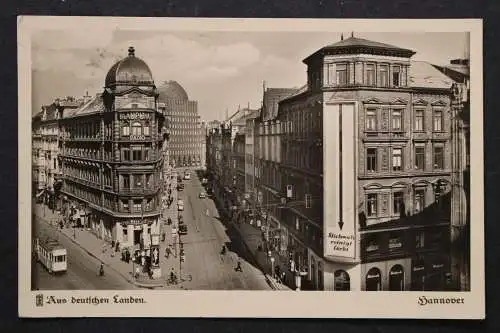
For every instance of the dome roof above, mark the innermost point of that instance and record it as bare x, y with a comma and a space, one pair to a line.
129, 70
171, 90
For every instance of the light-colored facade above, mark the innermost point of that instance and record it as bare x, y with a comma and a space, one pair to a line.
187, 147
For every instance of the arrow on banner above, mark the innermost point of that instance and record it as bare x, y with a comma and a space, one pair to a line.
341, 224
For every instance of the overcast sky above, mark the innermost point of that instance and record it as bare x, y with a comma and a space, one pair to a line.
220, 70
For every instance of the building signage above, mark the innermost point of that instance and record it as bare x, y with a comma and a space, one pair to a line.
139, 222
341, 243
339, 187
137, 137
135, 116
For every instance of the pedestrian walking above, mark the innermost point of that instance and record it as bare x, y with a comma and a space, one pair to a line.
238, 266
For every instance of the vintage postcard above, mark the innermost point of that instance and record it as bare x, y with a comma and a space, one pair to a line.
250, 168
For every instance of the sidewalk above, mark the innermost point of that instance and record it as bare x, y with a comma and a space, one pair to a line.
102, 250
252, 237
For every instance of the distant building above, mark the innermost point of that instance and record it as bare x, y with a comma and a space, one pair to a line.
111, 157
45, 149
186, 132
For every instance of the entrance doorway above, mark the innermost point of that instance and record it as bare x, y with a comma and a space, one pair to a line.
396, 278
137, 237
373, 280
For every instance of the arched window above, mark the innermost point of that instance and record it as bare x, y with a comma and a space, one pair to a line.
136, 129
342, 281
397, 278
125, 129
147, 128
373, 280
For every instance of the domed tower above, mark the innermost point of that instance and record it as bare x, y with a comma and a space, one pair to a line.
134, 128
186, 144
129, 75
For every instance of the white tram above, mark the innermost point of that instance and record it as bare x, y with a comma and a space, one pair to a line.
51, 254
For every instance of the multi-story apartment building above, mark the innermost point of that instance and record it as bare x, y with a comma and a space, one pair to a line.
265, 196
187, 134
238, 165
111, 156
369, 138
219, 147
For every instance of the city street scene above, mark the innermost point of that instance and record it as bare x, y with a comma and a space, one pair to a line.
285, 161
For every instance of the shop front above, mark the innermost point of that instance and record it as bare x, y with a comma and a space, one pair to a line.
134, 233
430, 273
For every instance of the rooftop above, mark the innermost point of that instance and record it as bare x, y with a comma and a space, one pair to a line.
425, 75
129, 70
355, 45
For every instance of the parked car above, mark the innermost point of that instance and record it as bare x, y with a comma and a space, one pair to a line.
202, 195
183, 230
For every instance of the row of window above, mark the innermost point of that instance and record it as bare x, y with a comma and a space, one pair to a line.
397, 160
397, 241
136, 129
381, 75
136, 181
82, 130
90, 153
137, 205
310, 159
396, 115
137, 153
397, 198
91, 175
83, 192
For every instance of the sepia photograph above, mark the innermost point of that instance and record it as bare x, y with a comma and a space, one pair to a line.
250, 156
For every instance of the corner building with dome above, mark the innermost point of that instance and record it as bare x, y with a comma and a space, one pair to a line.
186, 144
111, 157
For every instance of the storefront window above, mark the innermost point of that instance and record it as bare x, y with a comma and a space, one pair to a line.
342, 281
373, 280
436, 278
418, 276
396, 278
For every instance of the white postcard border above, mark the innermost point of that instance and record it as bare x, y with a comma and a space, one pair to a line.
253, 303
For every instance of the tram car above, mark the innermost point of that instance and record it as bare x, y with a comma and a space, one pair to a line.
52, 255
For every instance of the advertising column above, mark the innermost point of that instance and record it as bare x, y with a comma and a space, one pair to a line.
340, 184
155, 250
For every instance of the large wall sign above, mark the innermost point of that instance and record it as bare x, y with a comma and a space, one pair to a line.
339, 182
135, 116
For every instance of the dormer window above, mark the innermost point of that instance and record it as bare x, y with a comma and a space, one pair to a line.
341, 74
396, 74
370, 74
384, 75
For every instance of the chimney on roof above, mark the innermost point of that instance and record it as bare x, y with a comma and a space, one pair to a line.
352, 34
342, 36
131, 51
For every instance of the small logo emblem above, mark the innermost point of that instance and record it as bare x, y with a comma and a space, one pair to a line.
39, 300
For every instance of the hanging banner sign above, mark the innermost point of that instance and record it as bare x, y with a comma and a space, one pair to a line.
339, 187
